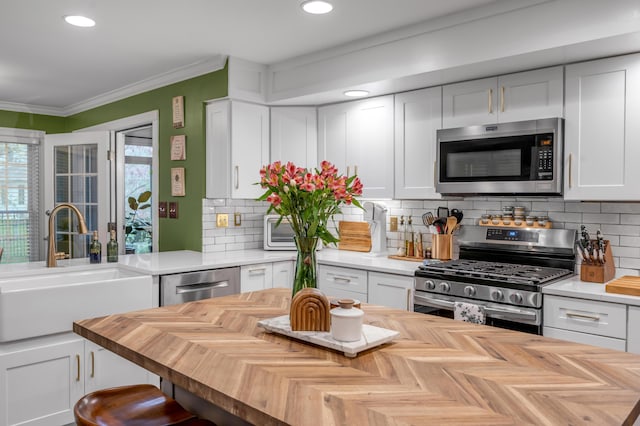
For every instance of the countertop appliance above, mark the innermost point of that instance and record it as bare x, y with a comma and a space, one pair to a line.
500, 269
198, 285
522, 157
278, 236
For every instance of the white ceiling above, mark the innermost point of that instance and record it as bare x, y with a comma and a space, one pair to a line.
45, 62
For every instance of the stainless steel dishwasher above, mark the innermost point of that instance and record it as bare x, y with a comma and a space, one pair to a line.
198, 285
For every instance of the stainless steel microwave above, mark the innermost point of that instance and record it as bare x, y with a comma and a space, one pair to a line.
523, 158
278, 237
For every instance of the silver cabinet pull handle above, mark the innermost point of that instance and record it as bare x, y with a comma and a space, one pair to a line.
501, 98
408, 299
93, 364
200, 287
355, 170
237, 183
256, 270
342, 279
583, 316
347, 171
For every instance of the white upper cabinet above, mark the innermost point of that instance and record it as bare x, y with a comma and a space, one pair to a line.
526, 95
602, 129
294, 136
418, 115
237, 147
358, 138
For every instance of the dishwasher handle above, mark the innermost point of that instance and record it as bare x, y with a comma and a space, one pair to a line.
191, 288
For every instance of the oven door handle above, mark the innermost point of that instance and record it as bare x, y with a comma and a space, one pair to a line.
491, 311
435, 303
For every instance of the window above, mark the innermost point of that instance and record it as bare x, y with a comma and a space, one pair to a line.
19, 195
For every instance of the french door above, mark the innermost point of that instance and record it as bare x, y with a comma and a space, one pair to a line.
76, 171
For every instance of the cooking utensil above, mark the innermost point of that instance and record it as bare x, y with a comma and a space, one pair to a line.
450, 225
457, 214
428, 219
440, 224
443, 212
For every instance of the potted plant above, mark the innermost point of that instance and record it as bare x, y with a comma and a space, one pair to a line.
309, 198
138, 230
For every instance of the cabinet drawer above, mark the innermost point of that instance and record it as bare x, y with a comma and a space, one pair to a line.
587, 316
344, 279
587, 339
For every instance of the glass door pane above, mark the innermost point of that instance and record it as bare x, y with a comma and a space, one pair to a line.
76, 173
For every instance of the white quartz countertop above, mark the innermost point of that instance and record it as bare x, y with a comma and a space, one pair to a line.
172, 262
573, 287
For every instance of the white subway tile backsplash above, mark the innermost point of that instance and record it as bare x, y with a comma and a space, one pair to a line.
619, 222
611, 218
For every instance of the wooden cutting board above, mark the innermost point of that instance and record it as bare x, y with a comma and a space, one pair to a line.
354, 236
627, 284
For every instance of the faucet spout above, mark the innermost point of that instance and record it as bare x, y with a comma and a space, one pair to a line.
51, 248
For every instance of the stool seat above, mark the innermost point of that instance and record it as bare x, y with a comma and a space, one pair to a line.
137, 405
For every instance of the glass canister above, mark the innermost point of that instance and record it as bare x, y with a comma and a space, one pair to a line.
346, 322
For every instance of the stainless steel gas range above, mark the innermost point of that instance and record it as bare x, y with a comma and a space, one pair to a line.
501, 269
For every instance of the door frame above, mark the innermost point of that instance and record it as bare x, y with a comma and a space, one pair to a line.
122, 124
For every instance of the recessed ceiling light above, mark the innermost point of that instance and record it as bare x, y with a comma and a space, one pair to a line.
317, 7
80, 21
356, 93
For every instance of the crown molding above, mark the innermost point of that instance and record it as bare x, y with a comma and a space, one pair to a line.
179, 74
32, 109
174, 76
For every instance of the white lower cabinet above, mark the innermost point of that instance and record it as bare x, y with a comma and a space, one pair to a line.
283, 274
633, 331
394, 291
342, 283
591, 322
256, 277
41, 379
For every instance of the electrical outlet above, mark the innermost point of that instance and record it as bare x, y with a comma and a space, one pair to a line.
237, 219
162, 209
393, 224
222, 220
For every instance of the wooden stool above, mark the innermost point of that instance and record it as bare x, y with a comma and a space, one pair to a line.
137, 405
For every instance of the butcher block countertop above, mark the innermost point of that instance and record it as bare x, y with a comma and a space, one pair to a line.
438, 371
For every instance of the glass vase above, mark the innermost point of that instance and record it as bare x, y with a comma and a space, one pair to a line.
306, 265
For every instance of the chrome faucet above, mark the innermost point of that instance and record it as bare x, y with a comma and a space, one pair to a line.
52, 256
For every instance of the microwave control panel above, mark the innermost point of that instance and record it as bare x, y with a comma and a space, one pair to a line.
544, 147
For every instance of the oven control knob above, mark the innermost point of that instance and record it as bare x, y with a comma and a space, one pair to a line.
470, 291
516, 298
497, 295
444, 287
430, 285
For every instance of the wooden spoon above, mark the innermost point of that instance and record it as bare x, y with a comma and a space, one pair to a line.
451, 224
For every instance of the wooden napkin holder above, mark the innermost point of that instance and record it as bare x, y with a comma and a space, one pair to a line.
310, 311
599, 273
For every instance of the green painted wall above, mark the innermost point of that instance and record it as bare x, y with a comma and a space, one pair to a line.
24, 120
184, 233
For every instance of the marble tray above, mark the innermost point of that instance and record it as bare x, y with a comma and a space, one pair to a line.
371, 336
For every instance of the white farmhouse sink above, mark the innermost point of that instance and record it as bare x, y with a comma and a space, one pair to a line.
38, 305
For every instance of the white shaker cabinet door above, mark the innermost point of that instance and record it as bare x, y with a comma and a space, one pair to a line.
249, 147
40, 385
283, 273
602, 129
633, 331
333, 123
531, 95
418, 115
256, 277
470, 103
294, 136
393, 291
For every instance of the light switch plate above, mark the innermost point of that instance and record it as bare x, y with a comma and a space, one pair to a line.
173, 210
237, 219
393, 224
222, 220
162, 209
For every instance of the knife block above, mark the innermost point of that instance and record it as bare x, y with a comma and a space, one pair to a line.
599, 273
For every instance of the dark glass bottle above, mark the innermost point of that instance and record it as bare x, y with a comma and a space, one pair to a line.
112, 248
95, 249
